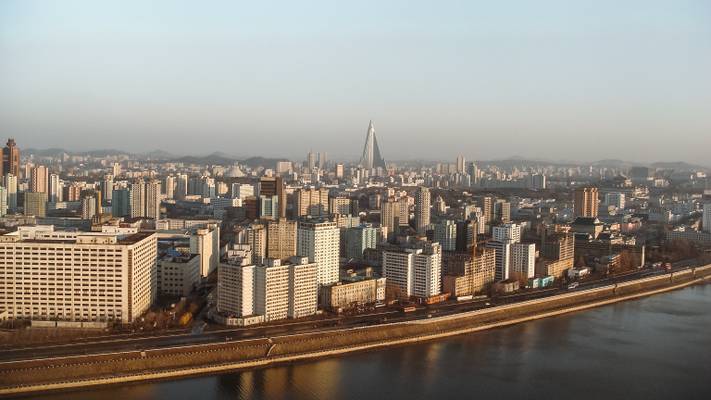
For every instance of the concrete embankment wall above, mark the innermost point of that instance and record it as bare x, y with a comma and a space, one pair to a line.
68, 372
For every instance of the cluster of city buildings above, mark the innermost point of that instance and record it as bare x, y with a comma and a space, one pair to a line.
100, 238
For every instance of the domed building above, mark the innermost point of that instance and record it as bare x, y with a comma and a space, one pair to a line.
234, 172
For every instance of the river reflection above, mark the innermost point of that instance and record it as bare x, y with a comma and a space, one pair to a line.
654, 348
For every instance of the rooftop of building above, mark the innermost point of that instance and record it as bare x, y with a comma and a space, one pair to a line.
47, 234
179, 257
587, 221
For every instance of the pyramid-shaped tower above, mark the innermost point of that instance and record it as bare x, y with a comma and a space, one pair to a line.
371, 157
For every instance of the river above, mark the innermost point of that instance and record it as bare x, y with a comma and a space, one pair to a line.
654, 348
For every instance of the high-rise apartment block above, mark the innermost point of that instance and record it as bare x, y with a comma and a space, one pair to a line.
706, 222
3, 201
313, 202
359, 238
10, 159
11, 186
422, 210
320, 242
504, 241
274, 186
36, 204
271, 290
523, 260
340, 205
281, 239
121, 203
445, 233
510, 233
205, 241
256, 238
39, 177
235, 288
394, 212
414, 271
88, 207
54, 189
137, 199
585, 202
303, 288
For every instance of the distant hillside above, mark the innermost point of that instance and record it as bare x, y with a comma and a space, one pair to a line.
615, 164
678, 166
210, 159
160, 155
56, 152
262, 162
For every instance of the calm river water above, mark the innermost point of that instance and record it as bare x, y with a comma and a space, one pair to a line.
654, 348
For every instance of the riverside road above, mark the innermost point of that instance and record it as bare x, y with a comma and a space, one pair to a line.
125, 343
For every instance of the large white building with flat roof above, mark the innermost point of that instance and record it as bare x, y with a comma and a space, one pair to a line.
320, 242
77, 276
271, 290
414, 271
235, 288
303, 287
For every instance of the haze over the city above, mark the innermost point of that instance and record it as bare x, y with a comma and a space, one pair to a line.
551, 79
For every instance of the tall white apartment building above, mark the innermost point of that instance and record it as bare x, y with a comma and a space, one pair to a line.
414, 271
77, 276
503, 258
235, 288
504, 238
153, 200
54, 193
422, 210
205, 241
137, 199
169, 187
271, 290
303, 287
320, 242
11, 186
523, 259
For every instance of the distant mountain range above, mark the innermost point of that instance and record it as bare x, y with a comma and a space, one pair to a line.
610, 163
221, 158
216, 158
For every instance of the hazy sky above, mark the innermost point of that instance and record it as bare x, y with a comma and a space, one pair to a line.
573, 79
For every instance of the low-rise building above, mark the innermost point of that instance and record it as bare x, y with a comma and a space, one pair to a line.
178, 274
352, 294
556, 268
